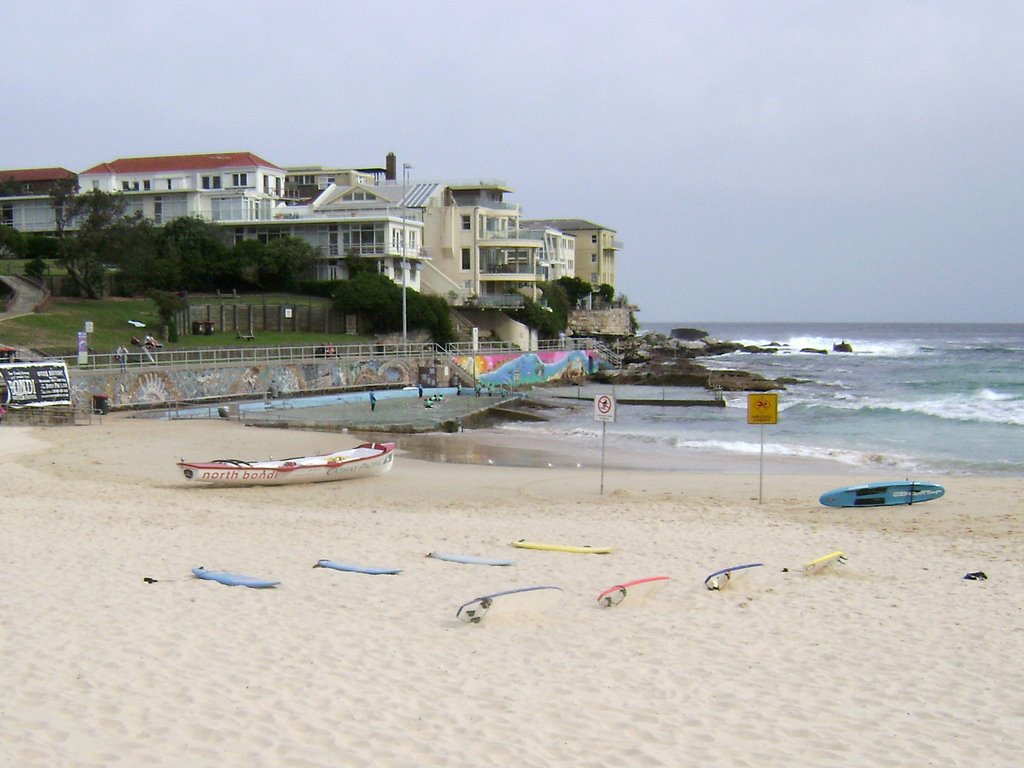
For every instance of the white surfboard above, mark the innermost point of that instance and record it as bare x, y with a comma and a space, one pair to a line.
721, 578
526, 599
637, 588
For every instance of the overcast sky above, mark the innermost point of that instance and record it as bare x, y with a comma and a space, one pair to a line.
760, 161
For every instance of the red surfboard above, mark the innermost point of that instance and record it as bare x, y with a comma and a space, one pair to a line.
638, 587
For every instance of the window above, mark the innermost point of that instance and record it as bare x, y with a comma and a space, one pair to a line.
146, 185
26, 188
467, 223
7, 214
593, 258
239, 179
168, 183
211, 182
158, 210
467, 262
357, 195
593, 238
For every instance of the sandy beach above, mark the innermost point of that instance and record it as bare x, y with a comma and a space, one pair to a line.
890, 660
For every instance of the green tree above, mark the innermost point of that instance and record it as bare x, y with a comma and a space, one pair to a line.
35, 268
12, 243
104, 237
246, 257
41, 247
194, 256
547, 324
285, 263
576, 289
168, 305
374, 297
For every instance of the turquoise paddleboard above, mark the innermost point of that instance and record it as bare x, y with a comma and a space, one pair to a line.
886, 494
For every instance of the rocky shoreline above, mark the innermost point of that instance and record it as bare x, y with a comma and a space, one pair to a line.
657, 359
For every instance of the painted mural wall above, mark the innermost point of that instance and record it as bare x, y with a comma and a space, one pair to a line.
144, 386
513, 369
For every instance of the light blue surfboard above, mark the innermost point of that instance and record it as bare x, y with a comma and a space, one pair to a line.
884, 494
467, 559
357, 568
233, 579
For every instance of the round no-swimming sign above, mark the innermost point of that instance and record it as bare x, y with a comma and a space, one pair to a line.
604, 408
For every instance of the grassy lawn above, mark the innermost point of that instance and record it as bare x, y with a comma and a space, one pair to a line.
55, 329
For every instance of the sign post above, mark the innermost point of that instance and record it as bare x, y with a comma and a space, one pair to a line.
762, 408
604, 411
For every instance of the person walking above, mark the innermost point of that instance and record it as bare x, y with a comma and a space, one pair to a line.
373, 402
420, 388
122, 357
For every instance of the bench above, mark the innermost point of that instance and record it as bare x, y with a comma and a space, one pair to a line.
246, 336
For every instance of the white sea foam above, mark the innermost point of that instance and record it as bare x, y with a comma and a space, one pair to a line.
875, 347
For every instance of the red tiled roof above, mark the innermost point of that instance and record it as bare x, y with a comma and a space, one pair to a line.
182, 163
36, 174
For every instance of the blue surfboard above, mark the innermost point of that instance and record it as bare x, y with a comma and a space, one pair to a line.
233, 579
467, 559
357, 568
884, 494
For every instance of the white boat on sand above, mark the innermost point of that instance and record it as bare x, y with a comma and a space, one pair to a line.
366, 460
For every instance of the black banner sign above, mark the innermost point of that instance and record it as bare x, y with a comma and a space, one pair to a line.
35, 384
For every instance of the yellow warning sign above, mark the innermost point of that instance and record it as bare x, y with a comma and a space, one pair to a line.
763, 408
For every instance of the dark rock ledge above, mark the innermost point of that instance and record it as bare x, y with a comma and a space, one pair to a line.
673, 361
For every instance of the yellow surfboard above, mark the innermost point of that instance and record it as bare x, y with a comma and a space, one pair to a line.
826, 561
523, 544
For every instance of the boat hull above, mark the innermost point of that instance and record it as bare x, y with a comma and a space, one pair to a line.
366, 460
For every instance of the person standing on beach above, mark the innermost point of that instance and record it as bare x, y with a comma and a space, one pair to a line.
420, 388
373, 402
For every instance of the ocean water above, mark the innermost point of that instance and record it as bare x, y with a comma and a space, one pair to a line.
910, 398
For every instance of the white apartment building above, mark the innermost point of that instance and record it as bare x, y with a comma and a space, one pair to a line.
246, 195
25, 202
222, 188
461, 240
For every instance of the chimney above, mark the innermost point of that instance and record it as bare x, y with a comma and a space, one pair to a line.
391, 167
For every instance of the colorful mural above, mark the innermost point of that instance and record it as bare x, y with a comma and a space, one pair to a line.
152, 386
512, 369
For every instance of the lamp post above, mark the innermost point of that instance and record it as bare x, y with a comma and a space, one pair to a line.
405, 256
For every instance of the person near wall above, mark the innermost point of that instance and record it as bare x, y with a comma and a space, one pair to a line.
373, 402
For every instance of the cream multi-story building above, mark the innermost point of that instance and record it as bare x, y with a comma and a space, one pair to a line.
596, 248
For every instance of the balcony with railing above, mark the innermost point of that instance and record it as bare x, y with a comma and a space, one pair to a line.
522, 239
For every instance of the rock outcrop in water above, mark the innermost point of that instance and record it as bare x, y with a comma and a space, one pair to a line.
672, 361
